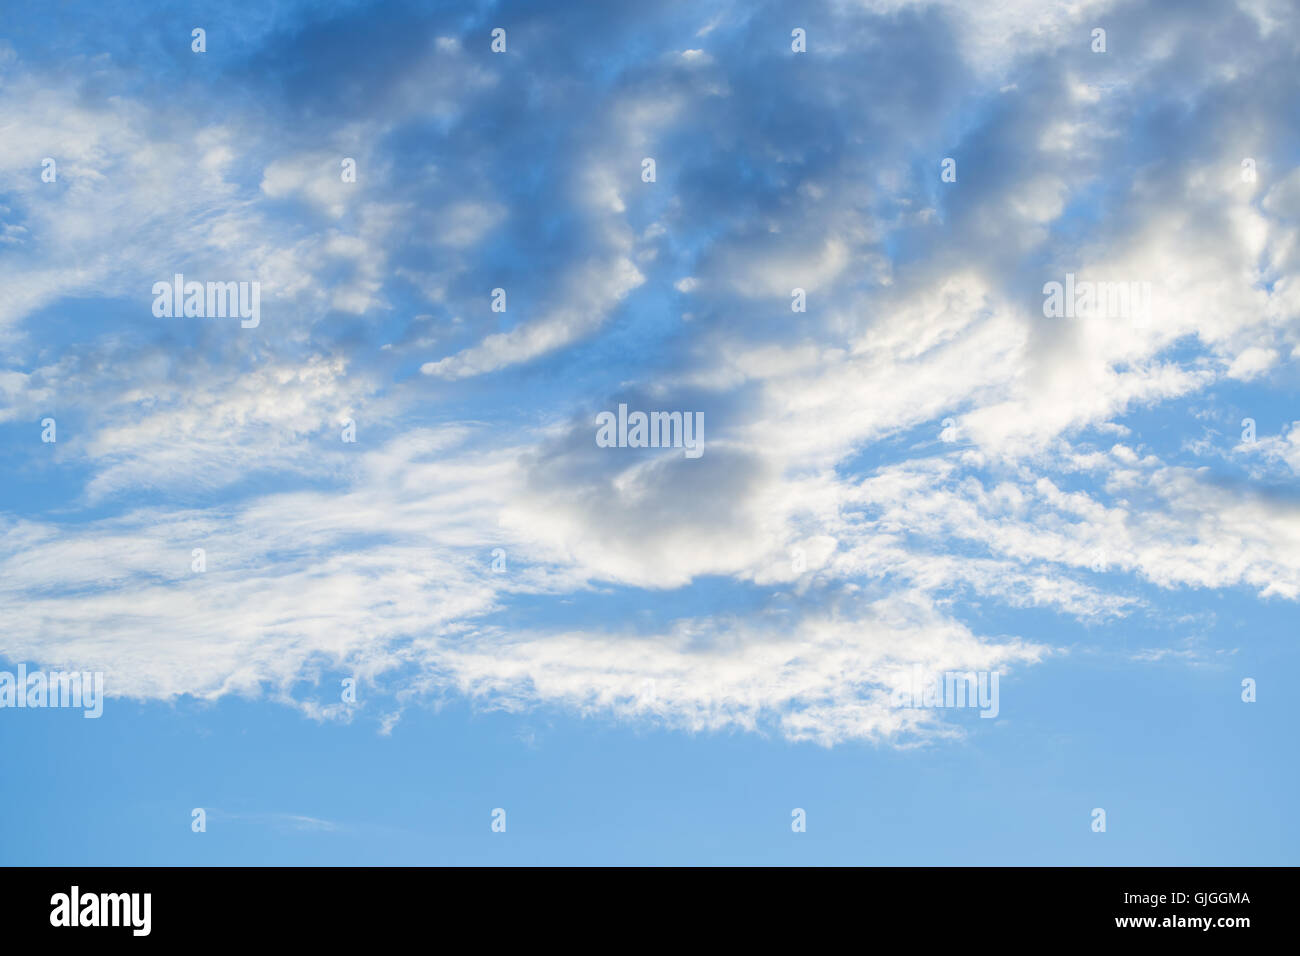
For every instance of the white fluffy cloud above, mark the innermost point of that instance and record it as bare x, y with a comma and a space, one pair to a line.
923, 438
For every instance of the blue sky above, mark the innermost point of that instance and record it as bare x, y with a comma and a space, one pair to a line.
669, 654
